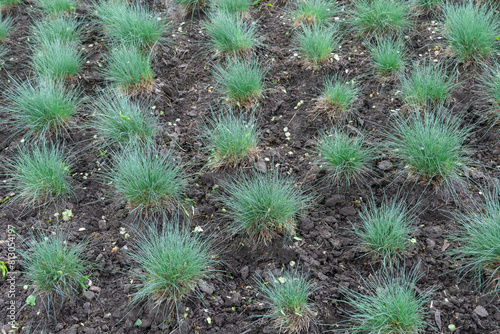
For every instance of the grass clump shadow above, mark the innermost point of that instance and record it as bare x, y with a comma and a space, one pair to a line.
384, 232
170, 262
148, 180
433, 148
471, 30
478, 251
314, 11
288, 298
231, 139
317, 42
240, 80
132, 25
389, 303
388, 57
41, 109
262, 206
123, 123
346, 159
39, 175
230, 34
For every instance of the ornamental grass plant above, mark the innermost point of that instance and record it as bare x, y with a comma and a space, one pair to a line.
63, 29
337, 97
317, 42
388, 57
56, 60
6, 26
314, 11
56, 7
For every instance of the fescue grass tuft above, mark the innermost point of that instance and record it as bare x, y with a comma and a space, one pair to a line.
317, 42
491, 91
63, 29
56, 60
41, 108
478, 242
385, 232
39, 175
388, 303
314, 11
288, 298
337, 96
132, 25
432, 146
56, 7
55, 269
6, 26
172, 260
382, 17
240, 80
121, 123
7, 4
232, 6
345, 158
230, 33
231, 139
388, 57
471, 30
149, 180
427, 86
262, 206
129, 71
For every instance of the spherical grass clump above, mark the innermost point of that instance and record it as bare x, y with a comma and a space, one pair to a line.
382, 17
337, 96
432, 146
171, 260
56, 7
6, 26
232, 6
121, 123
131, 24
385, 231
62, 29
388, 57
240, 80
345, 158
288, 298
41, 108
7, 4
230, 33
314, 11
317, 42
471, 30
231, 139
56, 60
388, 303
129, 70
478, 241
427, 86
262, 206
54, 268
149, 180
39, 175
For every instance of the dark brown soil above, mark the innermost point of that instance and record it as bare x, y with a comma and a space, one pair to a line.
183, 95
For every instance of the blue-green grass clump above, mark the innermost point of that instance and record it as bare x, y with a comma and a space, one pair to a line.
56, 7
231, 139
149, 180
478, 241
433, 147
388, 303
55, 269
62, 29
6, 26
314, 11
132, 25
262, 206
385, 232
232, 6
240, 80
382, 17
230, 34
346, 159
40, 108
471, 30
491, 91
39, 175
56, 60
388, 57
317, 42
172, 260
337, 97
7, 4
288, 298
122, 123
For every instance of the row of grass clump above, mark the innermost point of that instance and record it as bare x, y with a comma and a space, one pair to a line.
432, 144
